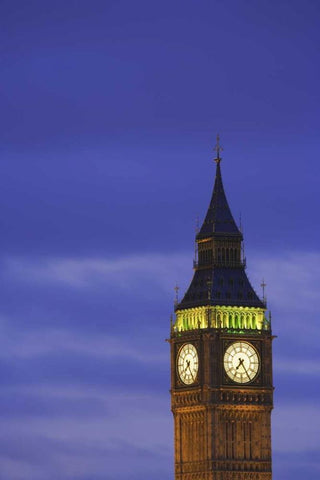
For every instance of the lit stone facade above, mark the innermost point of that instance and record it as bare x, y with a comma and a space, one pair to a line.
245, 318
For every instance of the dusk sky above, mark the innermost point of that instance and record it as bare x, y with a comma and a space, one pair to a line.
109, 113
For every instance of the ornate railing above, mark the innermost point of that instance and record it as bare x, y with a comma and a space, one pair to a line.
220, 264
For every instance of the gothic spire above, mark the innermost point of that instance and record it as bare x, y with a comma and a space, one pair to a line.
219, 277
219, 219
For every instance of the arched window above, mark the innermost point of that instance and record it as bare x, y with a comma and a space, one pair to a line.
225, 322
185, 323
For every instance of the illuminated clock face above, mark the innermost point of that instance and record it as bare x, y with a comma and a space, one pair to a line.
241, 362
188, 363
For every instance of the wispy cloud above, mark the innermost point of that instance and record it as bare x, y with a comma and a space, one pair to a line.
292, 280
296, 428
84, 272
81, 446
298, 366
292, 277
26, 344
116, 419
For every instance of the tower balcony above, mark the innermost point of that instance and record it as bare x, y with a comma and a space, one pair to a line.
219, 264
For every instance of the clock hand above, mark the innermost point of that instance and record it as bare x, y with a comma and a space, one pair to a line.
246, 370
240, 363
188, 366
190, 371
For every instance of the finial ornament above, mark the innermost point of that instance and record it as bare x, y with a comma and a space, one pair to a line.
197, 228
176, 289
218, 149
263, 285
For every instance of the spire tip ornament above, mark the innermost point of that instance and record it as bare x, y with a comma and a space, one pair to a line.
218, 149
263, 286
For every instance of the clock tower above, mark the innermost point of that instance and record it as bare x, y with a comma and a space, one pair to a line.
221, 360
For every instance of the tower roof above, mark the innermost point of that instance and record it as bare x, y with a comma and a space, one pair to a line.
219, 219
220, 286
220, 277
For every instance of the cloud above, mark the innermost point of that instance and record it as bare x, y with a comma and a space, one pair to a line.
26, 344
118, 419
292, 277
88, 446
292, 280
291, 465
86, 398
82, 273
292, 287
295, 427
298, 366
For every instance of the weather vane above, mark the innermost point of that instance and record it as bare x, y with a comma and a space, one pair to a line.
218, 149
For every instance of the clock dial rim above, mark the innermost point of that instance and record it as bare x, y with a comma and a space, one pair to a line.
191, 377
248, 365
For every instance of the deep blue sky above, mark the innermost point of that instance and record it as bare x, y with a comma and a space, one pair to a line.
109, 112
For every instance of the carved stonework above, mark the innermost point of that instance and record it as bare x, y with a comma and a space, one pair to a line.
186, 399
239, 398
222, 431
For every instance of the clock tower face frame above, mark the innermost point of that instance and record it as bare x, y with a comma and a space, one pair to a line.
241, 361
187, 364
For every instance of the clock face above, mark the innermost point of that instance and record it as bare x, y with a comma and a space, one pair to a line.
241, 362
188, 363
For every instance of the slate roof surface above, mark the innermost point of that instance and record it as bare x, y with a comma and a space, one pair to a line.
220, 286
219, 218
